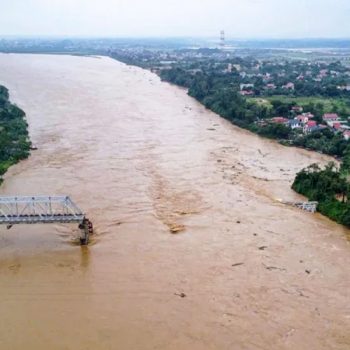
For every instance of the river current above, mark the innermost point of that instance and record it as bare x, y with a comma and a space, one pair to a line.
142, 158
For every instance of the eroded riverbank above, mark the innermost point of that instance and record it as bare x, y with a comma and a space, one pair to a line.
140, 156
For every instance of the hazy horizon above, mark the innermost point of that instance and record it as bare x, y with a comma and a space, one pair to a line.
249, 19
170, 37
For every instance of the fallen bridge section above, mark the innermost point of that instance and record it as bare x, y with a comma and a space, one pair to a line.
308, 206
39, 209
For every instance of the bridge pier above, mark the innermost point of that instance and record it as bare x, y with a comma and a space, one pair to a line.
86, 228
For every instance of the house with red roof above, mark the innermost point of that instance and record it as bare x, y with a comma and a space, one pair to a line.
310, 126
302, 118
271, 86
279, 120
337, 126
289, 86
330, 117
298, 109
309, 115
247, 93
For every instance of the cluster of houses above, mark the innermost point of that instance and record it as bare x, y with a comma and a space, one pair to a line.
247, 89
305, 122
280, 77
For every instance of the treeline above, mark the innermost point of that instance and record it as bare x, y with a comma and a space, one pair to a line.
14, 140
177, 76
328, 186
324, 141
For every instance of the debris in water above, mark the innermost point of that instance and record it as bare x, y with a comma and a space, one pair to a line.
264, 155
270, 268
237, 264
263, 247
176, 228
182, 295
185, 212
300, 292
308, 271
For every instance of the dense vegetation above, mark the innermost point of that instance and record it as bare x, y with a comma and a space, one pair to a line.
328, 186
14, 142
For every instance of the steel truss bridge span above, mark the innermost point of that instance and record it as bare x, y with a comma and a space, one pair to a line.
43, 210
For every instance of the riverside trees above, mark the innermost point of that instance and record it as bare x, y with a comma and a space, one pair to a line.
328, 186
14, 140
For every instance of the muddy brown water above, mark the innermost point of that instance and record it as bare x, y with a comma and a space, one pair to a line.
142, 158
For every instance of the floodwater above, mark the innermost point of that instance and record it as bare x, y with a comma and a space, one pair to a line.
142, 158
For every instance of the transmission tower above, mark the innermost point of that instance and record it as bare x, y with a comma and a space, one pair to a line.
222, 39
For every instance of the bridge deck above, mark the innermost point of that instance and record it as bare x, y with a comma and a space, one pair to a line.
39, 209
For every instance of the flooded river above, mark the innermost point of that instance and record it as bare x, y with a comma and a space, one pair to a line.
142, 158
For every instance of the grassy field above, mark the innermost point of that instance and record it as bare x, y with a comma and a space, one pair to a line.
337, 105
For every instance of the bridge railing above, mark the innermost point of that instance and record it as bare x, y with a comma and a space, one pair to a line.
39, 209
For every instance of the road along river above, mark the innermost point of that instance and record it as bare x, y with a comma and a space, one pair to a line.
142, 158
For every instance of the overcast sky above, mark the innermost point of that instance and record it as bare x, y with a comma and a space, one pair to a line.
161, 18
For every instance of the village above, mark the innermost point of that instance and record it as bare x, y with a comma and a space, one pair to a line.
305, 123
270, 77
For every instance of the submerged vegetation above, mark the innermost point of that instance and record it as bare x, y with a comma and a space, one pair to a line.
14, 140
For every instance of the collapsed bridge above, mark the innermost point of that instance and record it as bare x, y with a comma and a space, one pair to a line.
308, 206
16, 210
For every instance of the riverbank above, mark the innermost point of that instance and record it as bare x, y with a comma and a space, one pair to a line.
14, 137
